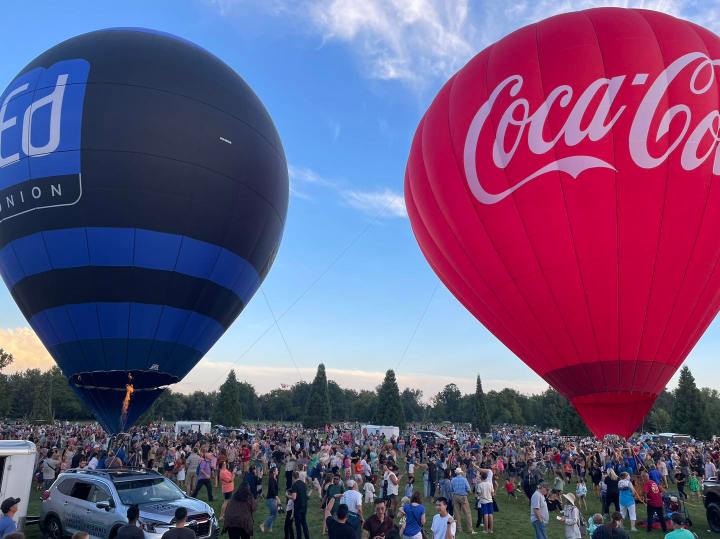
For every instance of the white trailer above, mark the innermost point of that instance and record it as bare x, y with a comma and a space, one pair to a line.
182, 427
17, 467
379, 430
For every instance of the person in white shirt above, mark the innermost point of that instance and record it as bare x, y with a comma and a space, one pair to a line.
443, 526
539, 514
663, 469
710, 469
352, 498
390, 483
369, 488
485, 505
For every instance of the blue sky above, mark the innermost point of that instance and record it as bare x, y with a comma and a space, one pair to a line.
346, 83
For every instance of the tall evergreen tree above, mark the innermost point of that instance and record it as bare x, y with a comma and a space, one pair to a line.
228, 410
317, 410
481, 419
389, 409
42, 399
688, 412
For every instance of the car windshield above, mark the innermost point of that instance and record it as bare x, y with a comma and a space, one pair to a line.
155, 489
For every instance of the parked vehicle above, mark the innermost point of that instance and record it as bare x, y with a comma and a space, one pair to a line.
711, 500
673, 438
379, 430
432, 437
17, 465
203, 427
96, 502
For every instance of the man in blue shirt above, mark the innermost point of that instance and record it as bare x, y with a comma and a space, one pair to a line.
655, 476
8, 507
460, 490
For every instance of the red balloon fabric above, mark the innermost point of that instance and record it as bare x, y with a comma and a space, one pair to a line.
563, 185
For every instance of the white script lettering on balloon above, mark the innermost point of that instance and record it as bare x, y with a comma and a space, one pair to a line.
604, 92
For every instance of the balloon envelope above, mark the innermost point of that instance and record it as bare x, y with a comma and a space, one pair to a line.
563, 185
143, 193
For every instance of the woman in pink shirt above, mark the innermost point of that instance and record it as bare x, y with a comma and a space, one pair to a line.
227, 484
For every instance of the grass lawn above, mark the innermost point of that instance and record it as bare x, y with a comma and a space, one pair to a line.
512, 521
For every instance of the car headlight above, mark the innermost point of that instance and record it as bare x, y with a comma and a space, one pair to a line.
153, 526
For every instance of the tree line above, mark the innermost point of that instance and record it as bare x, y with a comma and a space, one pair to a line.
34, 395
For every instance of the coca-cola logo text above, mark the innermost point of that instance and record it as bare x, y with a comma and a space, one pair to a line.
691, 140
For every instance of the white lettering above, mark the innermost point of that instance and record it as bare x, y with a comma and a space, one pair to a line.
696, 143
54, 99
8, 123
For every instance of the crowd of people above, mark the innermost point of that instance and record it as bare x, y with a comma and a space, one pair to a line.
368, 485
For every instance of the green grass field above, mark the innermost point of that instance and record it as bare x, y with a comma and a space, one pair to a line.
512, 521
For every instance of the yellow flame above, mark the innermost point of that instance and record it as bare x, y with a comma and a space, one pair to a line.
129, 390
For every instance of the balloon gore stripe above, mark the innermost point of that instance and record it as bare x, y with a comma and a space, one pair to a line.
126, 247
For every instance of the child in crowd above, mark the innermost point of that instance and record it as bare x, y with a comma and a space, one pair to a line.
369, 489
594, 522
409, 486
510, 489
694, 485
581, 494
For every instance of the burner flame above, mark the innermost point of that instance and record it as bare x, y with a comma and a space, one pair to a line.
129, 390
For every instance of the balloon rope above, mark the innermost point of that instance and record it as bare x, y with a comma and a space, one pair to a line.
282, 335
417, 326
297, 300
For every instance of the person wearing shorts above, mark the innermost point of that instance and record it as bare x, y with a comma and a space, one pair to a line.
485, 492
227, 484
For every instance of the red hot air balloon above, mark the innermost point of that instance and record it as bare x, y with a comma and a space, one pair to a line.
564, 186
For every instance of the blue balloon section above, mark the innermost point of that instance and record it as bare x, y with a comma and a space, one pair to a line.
143, 194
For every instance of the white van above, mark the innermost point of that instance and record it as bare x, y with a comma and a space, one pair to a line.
17, 467
182, 427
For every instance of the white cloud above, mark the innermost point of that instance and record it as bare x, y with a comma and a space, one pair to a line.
27, 350
380, 203
210, 374
385, 203
399, 39
302, 178
306, 175
335, 128
423, 41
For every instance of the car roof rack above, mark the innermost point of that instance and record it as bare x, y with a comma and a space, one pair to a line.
114, 473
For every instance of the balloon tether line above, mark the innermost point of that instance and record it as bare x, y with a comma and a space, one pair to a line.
282, 335
417, 325
297, 300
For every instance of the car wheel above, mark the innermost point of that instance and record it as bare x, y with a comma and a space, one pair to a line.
53, 528
713, 517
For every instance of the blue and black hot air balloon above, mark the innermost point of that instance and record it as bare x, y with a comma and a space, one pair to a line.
143, 193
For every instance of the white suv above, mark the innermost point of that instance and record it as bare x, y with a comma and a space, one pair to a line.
96, 502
